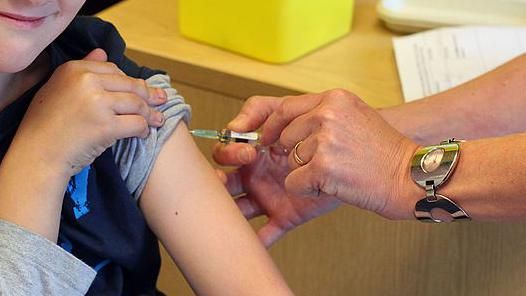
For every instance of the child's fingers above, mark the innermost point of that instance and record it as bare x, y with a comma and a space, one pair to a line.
118, 83
158, 96
92, 67
131, 104
128, 126
96, 55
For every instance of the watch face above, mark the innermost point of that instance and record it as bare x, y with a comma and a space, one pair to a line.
431, 161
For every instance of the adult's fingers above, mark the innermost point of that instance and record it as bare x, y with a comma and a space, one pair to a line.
304, 181
249, 208
254, 113
299, 129
234, 184
222, 176
270, 233
234, 154
129, 104
303, 150
288, 110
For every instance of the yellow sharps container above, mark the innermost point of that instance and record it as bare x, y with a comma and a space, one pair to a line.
276, 31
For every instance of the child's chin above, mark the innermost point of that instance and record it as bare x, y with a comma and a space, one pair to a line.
16, 61
13, 66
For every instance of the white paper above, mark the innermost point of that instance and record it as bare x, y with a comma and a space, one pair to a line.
436, 60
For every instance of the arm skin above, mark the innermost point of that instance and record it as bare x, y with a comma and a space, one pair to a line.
488, 106
490, 179
195, 218
32, 190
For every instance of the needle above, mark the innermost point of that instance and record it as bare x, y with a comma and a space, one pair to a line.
208, 134
227, 136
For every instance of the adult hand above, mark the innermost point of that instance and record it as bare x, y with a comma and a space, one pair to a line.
83, 109
262, 184
261, 175
349, 151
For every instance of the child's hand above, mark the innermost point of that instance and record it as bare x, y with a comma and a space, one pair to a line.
83, 109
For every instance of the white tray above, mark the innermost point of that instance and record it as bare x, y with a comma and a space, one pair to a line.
417, 15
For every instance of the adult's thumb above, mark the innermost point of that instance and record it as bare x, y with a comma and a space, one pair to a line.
96, 55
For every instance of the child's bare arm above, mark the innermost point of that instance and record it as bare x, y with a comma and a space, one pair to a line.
195, 218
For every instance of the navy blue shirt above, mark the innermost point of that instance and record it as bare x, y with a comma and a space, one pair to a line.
101, 223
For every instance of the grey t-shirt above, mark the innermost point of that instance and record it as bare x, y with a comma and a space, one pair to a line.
136, 157
32, 265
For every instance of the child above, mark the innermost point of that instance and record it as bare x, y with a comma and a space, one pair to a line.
63, 103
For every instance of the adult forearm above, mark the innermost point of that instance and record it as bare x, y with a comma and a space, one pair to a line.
31, 192
490, 105
489, 181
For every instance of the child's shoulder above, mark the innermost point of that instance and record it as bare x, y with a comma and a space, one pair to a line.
87, 33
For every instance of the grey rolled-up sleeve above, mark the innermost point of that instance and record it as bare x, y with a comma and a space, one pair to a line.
135, 157
32, 265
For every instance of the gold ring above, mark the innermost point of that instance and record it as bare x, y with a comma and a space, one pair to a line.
297, 158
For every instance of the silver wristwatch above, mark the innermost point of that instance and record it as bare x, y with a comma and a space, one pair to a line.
430, 168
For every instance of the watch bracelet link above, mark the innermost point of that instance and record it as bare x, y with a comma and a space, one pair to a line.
431, 181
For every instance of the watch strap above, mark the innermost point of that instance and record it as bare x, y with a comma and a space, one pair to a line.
425, 206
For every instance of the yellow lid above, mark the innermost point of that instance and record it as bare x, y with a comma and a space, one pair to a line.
275, 31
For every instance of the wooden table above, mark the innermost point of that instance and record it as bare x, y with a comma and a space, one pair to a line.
349, 252
363, 61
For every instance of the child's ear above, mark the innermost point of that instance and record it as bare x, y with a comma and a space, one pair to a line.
96, 55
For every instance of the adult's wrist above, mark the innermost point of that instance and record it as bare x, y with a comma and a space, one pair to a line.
405, 193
